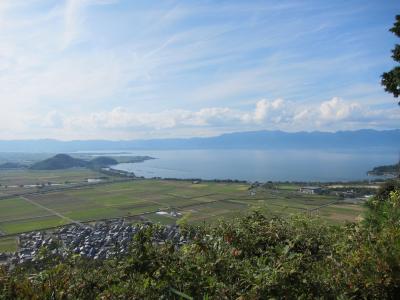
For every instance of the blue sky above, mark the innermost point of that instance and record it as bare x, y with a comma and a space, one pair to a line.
125, 69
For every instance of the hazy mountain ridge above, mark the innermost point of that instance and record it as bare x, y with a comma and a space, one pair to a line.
366, 138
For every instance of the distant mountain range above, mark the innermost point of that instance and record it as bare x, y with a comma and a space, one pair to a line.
366, 138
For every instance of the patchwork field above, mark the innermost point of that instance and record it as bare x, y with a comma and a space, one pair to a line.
162, 201
18, 181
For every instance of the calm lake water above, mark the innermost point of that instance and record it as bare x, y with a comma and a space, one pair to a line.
260, 165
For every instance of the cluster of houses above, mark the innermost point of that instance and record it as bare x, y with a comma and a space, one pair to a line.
103, 240
312, 190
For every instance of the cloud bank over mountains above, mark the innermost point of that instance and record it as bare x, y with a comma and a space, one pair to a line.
331, 115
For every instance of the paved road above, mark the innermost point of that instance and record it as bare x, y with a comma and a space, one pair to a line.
53, 212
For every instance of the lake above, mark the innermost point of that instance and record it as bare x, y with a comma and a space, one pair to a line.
260, 165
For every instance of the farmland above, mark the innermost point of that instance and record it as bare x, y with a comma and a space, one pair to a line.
142, 199
18, 181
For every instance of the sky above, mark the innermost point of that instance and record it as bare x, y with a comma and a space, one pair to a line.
126, 69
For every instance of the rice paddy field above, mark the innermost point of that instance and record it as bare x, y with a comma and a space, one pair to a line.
163, 201
24, 180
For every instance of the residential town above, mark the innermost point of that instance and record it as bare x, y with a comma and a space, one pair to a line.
100, 241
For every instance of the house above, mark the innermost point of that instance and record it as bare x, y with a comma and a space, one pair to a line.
310, 190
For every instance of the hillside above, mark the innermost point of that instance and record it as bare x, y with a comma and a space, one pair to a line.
366, 138
101, 162
64, 161
59, 161
385, 170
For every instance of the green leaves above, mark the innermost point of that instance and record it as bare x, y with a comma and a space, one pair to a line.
391, 80
396, 26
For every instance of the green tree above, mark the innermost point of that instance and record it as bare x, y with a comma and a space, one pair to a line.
391, 79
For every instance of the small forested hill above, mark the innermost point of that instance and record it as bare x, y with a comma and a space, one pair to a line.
101, 162
385, 170
59, 161
64, 161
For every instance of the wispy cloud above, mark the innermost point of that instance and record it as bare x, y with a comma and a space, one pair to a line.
74, 18
75, 67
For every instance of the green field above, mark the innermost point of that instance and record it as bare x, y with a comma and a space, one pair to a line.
13, 181
8, 244
204, 202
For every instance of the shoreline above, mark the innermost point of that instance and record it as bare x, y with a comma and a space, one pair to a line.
230, 180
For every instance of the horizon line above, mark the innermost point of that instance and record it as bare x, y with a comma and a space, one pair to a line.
199, 137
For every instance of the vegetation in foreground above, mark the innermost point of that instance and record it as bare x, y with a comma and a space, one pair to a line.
252, 257
391, 79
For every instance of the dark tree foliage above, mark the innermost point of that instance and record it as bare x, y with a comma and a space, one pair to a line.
385, 189
391, 79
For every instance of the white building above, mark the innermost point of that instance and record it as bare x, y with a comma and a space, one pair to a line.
310, 189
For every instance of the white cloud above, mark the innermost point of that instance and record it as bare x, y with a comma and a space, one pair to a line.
331, 115
302, 114
52, 119
336, 109
120, 118
264, 107
262, 110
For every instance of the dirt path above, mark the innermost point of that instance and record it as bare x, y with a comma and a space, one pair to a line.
315, 210
25, 219
69, 220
